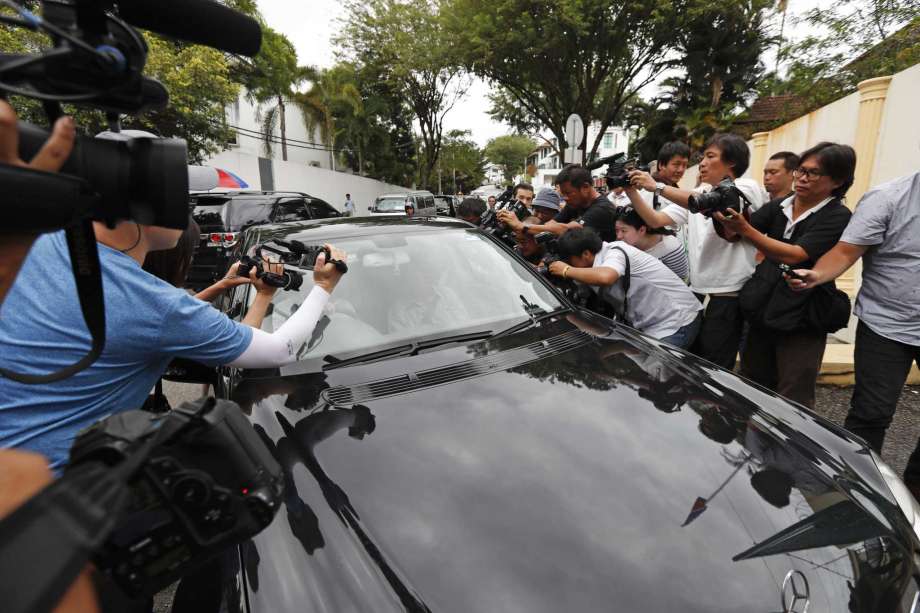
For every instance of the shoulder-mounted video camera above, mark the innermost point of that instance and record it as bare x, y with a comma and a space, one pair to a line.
148, 497
618, 169
96, 59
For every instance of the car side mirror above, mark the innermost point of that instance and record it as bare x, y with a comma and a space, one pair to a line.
182, 370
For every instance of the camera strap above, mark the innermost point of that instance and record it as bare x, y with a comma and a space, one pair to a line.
87, 272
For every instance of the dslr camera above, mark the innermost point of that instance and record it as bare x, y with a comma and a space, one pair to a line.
722, 197
578, 294
490, 224
618, 169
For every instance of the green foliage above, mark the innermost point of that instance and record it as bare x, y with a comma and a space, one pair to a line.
719, 46
462, 163
854, 40
402, 42
509, 152
550, 59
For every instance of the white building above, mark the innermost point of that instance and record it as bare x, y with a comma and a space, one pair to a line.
548, 165
495, 175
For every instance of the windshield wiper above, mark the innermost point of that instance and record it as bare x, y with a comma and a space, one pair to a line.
535, 318
404, 350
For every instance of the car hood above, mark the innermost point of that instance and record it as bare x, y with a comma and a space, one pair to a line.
558, 470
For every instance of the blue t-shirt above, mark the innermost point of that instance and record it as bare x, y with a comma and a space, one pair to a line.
148, 322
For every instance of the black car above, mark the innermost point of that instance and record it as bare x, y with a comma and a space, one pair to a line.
457, 437
222, 217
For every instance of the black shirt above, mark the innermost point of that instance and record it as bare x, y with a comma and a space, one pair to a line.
816, 234
600, 216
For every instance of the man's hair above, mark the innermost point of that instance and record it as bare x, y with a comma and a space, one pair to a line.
630, 216
348, 195
525, 186
836, 161
578, 240
671, 150
471, 207
790, 160
577, 176
734, 151
172, 265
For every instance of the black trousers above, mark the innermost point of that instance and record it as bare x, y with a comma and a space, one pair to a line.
720, 334
882, 366
787, 363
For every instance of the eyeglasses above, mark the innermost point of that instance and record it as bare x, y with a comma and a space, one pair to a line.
813, 173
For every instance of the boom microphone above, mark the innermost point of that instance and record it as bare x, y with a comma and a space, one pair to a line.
203, 22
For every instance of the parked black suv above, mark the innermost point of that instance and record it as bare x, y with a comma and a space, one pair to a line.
223, 216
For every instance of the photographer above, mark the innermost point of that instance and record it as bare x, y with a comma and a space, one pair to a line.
584, 207
658, 242
527, 246
471, 210
148, 323
656, 302
885, 232
673, 159
784, 348
546, 205
523, 193
718, 268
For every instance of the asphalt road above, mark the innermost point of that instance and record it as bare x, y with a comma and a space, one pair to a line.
833, 402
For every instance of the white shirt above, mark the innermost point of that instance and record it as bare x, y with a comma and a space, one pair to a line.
659, 304
787, 206
619, 200
670, 250
716, 265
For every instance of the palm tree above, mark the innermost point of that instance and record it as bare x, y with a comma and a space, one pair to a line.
333, 97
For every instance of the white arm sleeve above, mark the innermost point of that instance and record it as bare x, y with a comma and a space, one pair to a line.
280, 347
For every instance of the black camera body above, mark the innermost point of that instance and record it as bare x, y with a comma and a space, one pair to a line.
722, 197
618, 169
493, 227
288, 280
209, 482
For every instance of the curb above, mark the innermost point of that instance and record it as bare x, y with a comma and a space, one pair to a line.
837, 366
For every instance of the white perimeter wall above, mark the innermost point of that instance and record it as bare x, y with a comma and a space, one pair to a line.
296, 176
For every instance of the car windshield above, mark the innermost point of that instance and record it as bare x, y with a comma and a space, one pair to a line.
401, 287
391, 205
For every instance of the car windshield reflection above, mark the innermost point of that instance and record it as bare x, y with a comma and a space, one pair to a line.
403, 287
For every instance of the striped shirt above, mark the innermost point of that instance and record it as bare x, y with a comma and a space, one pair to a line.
672, 254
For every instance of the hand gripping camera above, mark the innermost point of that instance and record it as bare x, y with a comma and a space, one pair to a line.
618, 169
722, 197
490, 224
297, 254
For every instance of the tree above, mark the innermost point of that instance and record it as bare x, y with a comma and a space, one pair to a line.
509, 152
271, 81
720, 48
404, 43
562, 56
461, 161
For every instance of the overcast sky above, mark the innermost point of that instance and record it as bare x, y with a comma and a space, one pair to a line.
311, 25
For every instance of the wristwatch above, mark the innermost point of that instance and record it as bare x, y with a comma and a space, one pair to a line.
658, 187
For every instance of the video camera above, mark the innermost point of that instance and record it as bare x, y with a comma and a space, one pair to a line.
618, 169
722, 197
297, 254
490, 224
149, 497
96, 60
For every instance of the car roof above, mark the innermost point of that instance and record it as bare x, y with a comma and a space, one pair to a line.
249, 194
338, 227
405, 193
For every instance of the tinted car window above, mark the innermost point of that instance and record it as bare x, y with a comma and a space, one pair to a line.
391, 205
244, 212
292, 209
406, 286
320, 209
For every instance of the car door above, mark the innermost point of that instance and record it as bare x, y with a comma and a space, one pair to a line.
290, 209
